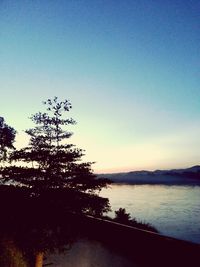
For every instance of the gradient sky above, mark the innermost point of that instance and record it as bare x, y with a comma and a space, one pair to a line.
130, 68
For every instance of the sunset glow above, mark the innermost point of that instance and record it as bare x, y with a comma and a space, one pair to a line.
130, 69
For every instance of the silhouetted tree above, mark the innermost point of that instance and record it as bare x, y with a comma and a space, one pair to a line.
50, 181
121, 216
51, 163
7, 137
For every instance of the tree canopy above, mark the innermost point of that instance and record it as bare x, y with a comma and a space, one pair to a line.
7, 137
49, 162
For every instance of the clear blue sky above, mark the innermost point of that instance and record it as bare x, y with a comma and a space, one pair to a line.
130, 68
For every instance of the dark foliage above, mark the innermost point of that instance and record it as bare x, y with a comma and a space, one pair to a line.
121, 216
46, 184
44, 223
48, 162
51, 169
33, 224
7, 137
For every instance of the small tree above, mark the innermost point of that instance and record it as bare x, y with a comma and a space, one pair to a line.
122, 216
7, 137
50, 163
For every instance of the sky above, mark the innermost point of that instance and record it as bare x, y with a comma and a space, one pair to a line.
131, 70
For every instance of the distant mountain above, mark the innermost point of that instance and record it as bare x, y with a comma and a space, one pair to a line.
189, 176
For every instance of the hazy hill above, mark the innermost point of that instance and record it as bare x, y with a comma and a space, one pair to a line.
189, 176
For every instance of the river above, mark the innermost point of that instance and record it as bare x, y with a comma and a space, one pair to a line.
173, 210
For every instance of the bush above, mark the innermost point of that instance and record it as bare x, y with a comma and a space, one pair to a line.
121, 216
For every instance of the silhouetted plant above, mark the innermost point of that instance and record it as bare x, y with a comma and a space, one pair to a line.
51, 184
7, 137
51, 163
121, 216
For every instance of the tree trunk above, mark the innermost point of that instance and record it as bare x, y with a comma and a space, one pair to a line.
39, 259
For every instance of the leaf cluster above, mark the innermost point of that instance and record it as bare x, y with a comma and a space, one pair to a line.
7, 137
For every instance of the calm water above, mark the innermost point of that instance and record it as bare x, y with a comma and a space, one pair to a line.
173, 210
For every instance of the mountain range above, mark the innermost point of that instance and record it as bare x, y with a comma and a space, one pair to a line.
188, 176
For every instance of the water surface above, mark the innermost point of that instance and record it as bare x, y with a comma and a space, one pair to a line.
173, 210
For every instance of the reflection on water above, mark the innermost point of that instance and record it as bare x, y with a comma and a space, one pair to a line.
173, 210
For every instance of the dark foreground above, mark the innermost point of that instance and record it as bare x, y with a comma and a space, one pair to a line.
29, 228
